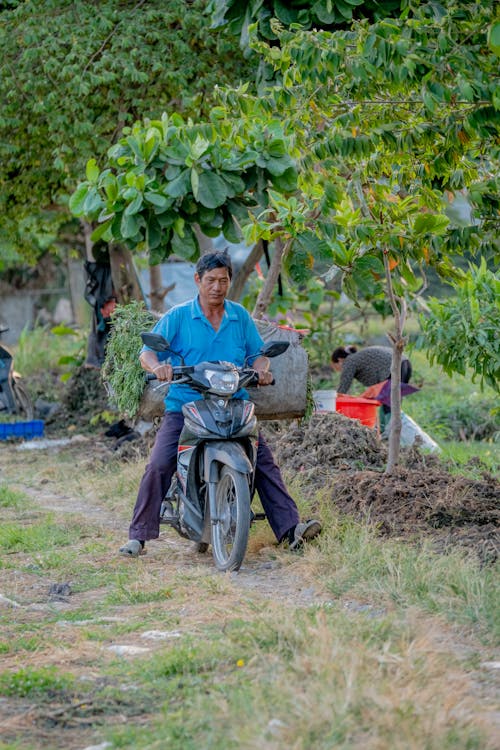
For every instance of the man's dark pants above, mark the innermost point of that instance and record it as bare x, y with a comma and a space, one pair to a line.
279, 507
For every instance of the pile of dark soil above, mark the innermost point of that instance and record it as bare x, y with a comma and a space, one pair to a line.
422, 499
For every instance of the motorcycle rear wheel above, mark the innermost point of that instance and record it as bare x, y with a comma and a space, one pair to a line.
24, 405
230, 534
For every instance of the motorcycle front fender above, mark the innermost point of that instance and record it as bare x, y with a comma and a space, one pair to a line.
224, 452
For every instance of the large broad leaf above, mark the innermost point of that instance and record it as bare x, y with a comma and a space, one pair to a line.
210, 231
494, 38
234, 184
129, 226
185, 247
101, 230
230, 230
92, 171
135, 205
153, 233
286, 182
162, 251
92, 203
276, 166
212, 191
157, 199
180, 185
77, 200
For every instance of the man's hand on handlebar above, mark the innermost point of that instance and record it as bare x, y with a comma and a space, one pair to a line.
261, 367
265, 377
163, 372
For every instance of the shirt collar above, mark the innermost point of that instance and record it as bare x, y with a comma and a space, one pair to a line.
197, 312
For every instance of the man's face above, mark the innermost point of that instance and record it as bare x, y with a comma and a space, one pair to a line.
213, 286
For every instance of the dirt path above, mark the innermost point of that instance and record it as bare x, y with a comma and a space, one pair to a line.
269, 577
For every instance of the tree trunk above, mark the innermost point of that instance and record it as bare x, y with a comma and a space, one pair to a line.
87, 231
266, 292
240, 279
124, 274
206, 243
399, 308
157, 290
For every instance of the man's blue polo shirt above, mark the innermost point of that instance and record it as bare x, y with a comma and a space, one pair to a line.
189, 332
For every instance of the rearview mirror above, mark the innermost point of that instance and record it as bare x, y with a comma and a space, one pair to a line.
274, 348
155, 342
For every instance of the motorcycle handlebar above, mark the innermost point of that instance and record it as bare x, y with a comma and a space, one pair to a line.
251, 377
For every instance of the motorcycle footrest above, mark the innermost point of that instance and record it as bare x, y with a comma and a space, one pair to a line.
258, 517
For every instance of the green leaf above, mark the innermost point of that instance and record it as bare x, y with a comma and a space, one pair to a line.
286, 182
92, 203
92, 171
494, 38
134, 206
101, 230
180, 186
185, 247
129, 226
195, 182
235, 185
231, 231
157, 199
212, 190
77, 200
153, 233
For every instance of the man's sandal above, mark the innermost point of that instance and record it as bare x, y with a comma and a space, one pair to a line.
133, 548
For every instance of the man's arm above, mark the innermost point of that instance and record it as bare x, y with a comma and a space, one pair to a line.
149, 362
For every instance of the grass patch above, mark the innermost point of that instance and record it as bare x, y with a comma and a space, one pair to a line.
10, 498
18, 645
315, 683
45, 535
43, 681
388, 571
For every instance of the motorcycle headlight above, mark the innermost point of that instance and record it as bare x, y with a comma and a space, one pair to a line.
222, 382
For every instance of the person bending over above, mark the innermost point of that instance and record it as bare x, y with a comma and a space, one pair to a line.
369, 366
208, 327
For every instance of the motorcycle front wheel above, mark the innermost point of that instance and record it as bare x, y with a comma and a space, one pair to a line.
230, 532
24, 405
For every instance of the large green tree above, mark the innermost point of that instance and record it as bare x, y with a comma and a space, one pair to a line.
72, 75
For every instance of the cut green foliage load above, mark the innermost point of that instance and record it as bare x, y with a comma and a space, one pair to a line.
122, 371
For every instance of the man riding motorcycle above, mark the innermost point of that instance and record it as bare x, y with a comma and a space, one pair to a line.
209, 327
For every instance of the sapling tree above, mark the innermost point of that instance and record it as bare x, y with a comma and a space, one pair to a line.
393, 119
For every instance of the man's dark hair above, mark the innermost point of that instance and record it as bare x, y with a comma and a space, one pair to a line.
209, 261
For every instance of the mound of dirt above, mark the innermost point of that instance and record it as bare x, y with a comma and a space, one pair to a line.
421, 499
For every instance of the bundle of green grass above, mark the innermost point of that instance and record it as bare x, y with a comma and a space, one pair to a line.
121, 371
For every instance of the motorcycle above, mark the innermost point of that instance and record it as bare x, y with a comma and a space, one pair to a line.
14, 398
209, 497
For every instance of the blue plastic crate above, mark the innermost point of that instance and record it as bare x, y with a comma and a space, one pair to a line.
24, 430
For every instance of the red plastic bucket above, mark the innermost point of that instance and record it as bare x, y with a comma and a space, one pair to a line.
356, 407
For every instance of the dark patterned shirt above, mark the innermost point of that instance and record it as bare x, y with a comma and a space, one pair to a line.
369, 366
